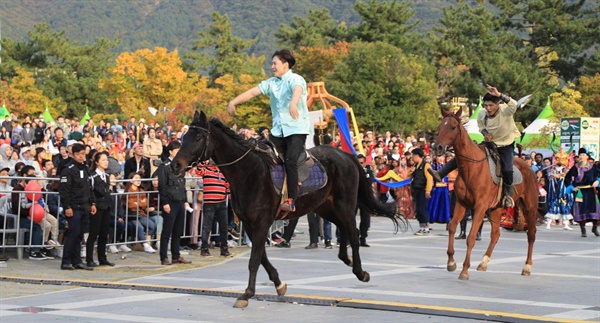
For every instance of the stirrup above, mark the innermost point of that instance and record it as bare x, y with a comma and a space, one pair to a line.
508, 202
288, 206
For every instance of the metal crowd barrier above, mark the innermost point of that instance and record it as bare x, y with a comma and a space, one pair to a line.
13, 236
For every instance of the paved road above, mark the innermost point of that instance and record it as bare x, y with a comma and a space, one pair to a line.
409, 283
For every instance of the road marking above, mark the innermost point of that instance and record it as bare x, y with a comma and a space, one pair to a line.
114, 300
116, 317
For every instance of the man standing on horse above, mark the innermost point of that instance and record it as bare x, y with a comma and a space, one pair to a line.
291, 122
497, 125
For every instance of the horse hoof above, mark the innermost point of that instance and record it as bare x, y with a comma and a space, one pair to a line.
240, 303
463, 276
451, 267
281, 289
526, 271
366, 277
349, 263
481, 267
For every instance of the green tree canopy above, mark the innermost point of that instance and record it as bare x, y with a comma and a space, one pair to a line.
387, 88
62, 69
220, 52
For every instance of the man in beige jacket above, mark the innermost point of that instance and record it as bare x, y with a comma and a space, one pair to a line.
497, 125
152, 149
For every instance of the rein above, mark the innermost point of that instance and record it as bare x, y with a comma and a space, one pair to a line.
203, 154
461, 155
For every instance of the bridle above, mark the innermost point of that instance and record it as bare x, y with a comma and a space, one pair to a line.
203, 155
454, 141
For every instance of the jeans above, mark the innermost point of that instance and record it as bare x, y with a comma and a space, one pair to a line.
291, 147
35, 232
211, 212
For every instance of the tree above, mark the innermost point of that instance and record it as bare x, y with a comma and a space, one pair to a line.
315, 63
383, 21
24, 98
387, 88
473, 50
319, 29
149, 78
567, 28
589, 87
228, 53
63, 69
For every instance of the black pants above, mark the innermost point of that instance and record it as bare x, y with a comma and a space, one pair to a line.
291, 147
288, 231
507, 158
74, 236
420, 206
172, 228
211, 211
365, 223
314, 226
99, 224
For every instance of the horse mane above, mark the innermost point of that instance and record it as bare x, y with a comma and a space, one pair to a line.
245, 144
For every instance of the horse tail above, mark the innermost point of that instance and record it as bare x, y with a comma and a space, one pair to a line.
366, 199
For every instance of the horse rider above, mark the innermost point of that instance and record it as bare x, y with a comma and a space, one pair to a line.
497, 125
291, 122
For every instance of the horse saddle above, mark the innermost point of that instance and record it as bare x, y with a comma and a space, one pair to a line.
495, 168
311, 174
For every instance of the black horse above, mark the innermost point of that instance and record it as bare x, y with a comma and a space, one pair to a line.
256, 202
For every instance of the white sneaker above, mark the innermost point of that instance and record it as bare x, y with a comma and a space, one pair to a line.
148, 249
548, 224
567, 227
113, 249
124, 248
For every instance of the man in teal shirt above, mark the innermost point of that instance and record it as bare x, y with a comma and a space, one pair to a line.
291, 121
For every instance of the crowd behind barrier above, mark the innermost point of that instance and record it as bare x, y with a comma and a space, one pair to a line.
129, 226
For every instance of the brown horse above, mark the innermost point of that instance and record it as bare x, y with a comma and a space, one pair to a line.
475, 189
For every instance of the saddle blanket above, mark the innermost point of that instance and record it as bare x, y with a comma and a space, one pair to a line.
312, 178
517, 176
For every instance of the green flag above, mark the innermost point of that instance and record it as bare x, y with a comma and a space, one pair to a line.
86, 117
47, 115
4, 111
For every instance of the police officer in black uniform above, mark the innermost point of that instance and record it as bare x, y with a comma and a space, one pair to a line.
78, 203
171, 189
99, 222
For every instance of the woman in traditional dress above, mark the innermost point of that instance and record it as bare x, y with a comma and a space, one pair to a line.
559, 202
583, 179
438, 206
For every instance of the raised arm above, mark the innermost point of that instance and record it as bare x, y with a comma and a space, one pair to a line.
244, 97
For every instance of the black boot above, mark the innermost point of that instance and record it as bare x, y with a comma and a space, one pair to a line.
595, 230
461, 236
582, 226
507, 189
463, 227
363, 243
445, 170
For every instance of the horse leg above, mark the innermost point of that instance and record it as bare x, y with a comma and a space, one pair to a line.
280, 287
495, 235
477, 220
353, 235
459, 213
259, 238
531, 211
343, 252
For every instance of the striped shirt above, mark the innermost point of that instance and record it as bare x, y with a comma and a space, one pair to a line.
216, 187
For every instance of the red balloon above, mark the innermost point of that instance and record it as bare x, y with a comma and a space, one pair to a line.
31, 188
37, 213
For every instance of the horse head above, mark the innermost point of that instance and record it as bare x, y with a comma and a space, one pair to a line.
196, 145
448, 131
